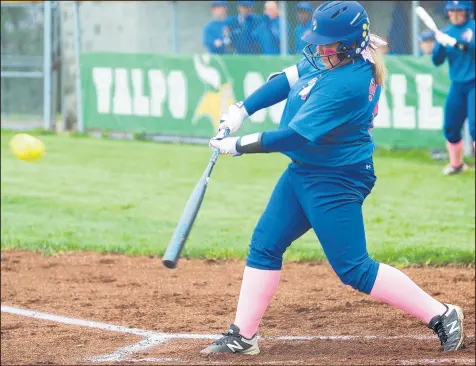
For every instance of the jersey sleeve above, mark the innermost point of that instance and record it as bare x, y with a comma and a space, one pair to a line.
326, 108
471, 43
303, 66
294, 72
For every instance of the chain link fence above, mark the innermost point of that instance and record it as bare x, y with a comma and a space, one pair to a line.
219, 27
27, 76
223, 27
276, 27
21, 62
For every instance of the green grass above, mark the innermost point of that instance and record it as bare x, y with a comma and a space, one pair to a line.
127, 196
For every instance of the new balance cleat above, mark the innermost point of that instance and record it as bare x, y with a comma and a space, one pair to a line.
450, 169
233, 342
449, 328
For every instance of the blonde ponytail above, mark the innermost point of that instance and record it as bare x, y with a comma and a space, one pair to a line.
379, 68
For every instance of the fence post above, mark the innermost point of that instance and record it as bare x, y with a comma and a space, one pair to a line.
175, 30
468, 141
415, 29
283, 31
77, 44
47, 69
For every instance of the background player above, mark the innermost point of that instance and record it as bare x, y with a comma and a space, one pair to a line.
456, 43
215, 34
325, 129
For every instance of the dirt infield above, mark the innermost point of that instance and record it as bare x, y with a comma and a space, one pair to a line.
160, 316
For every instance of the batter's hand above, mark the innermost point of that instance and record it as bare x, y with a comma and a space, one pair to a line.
444, 39
233, 118
226, 145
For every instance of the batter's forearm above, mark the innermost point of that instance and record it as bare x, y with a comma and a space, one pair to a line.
439, 55
271, 141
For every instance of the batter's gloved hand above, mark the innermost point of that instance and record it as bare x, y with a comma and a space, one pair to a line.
233, 118
444, 39
226, 145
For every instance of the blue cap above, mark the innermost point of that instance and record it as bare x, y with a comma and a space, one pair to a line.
219, 3
246, 3
304, 6
426, 35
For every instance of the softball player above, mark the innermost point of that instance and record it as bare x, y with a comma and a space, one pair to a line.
456, 43
332, 100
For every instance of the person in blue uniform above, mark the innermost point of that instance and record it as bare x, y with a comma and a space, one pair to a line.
455, 43
304, 14
332, 98
426, 42
242, 29
215, 32
268, 32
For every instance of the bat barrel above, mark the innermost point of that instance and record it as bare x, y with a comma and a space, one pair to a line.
172, 254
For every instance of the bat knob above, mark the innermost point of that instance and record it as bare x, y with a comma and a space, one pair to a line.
169, 264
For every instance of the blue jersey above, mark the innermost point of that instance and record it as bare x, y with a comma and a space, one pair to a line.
461, 62
298, 33
334, 110
242, 34
214, 31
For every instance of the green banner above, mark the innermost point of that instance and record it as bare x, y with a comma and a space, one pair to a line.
185, 95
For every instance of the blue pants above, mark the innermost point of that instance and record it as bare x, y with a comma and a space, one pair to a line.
459, 105
330, 201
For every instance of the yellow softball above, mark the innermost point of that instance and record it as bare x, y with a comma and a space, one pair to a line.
27, 147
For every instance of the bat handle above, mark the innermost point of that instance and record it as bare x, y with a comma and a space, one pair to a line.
216, 151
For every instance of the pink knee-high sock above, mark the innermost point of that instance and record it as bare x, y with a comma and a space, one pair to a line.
257, 289
397, 289
455, 152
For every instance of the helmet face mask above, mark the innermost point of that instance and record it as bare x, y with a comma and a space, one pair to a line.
325, 61
343, 22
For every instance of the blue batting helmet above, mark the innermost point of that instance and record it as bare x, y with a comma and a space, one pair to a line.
466, 6
459, 5
346, 22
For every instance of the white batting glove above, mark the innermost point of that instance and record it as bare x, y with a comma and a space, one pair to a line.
444, 39
233, 117
226, 145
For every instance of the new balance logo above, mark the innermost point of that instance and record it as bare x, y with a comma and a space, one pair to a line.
234, 346
453, 326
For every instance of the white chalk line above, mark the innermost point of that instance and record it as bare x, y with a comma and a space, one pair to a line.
122, 353
153, 338
152, 359
80, 322
457, 361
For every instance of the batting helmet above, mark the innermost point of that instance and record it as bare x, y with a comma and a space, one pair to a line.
466, 6
346, 22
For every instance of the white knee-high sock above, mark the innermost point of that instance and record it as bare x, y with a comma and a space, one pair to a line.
257, 290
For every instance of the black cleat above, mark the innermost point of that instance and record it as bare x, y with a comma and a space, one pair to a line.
233, 342
449, 328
